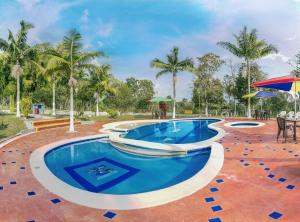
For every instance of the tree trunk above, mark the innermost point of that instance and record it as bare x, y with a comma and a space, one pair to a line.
249, 88
97, 106
53, 98
234, 106
174, 95
71, 129
206, 103
18, 96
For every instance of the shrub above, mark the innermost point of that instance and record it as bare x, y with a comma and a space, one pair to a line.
112, 113
26, 104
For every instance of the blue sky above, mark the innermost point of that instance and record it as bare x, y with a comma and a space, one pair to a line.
133, 32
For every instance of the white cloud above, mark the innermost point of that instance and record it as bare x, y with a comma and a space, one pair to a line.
105, 29
28, 4
279, 55
85, 16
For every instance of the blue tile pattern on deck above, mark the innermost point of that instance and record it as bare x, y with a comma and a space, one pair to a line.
275, 215
31, 193
271, 175
56, 200
209, 199
214, 189
110, 214
13, 182
290, 187
282, 179
216, 208
215, 220
219, 181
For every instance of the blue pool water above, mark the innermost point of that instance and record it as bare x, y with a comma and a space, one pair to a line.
244, 124
174, 132
98, 167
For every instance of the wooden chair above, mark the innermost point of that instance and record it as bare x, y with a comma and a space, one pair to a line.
283, 127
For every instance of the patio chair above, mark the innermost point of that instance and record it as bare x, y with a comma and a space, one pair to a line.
291, 114
256, 114
283, 127
282, 114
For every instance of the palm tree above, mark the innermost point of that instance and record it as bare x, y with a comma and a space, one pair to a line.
100, 79
70, 60
250, 48
173, 66
18, 52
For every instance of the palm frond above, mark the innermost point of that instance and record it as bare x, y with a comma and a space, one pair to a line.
3, 45
231, 48
162, 72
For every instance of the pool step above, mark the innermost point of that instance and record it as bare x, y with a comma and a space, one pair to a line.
145, 151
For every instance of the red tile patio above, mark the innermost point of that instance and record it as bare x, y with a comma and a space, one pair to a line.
246, 193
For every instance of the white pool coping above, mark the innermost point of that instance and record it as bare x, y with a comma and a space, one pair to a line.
123, 202
259, 124
116, 136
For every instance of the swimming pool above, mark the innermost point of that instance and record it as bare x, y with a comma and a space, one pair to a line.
244, 124
91, 172
174, 131
97, 167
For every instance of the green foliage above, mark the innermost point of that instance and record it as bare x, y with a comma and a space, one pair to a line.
26, 104
112, 113
142, 91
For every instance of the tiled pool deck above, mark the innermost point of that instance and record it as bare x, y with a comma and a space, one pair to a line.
259, 181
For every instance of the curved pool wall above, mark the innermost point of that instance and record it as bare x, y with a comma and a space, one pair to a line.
244, 124
116, 134
152, 196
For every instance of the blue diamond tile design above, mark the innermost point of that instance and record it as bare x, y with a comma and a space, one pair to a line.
275, 215
216, 208
31, 221
13, 182
282, 179
107, 171
219, 181
22, 168
247, 164
267, 168
215, 220
296, 155
290, 187
55, 201
245, 154
271, 175
261, 164
110, 214
214, 189
1, 188
242, 161
209, 199
31, 193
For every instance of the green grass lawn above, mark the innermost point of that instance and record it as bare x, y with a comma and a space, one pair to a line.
12, 125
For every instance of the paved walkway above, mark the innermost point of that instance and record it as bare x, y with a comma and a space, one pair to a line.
259, 181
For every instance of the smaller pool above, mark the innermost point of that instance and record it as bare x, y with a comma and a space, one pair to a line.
244, 124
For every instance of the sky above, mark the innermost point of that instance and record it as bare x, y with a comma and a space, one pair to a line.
133, 32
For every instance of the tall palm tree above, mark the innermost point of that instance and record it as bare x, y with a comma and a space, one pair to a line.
18, 52
250, 48
101, 82
70, 60
173, 66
